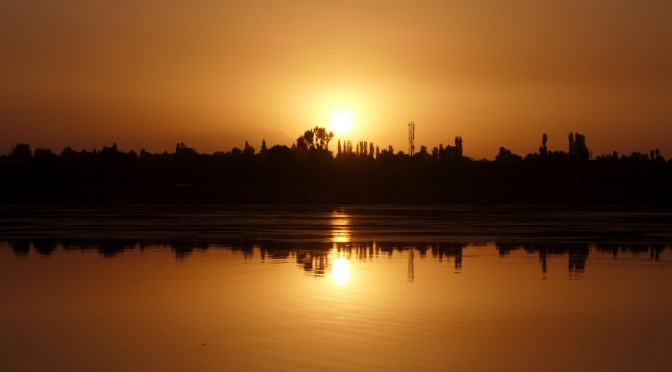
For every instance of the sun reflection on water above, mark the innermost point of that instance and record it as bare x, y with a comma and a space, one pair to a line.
340, 271
340, 228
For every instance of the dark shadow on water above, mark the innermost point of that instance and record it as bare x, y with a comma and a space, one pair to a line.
45, 246
21, 247
577, 258
313, 258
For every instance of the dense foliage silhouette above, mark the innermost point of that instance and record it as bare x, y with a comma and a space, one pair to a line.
309, 172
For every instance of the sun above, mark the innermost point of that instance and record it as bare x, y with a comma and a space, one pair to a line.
341, 122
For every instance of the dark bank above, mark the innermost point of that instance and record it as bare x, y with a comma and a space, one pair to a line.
309, 172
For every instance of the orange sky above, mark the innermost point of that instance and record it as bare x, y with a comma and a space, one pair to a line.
216, 73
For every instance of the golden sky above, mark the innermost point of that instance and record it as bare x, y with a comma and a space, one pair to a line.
216, 73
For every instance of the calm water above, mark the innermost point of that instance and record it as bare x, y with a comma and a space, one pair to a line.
334, 288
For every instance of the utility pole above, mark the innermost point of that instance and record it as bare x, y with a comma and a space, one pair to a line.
411, 138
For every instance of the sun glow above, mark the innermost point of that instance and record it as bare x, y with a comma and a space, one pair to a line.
340, 271
341, 122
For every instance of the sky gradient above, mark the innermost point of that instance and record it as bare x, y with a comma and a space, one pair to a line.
217, 73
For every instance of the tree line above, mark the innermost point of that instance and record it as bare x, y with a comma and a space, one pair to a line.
310, 172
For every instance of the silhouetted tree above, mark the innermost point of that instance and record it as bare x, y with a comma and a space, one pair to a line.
67, 152
458, 146
422, 154
316, 138
181, 151
659, 157
577, 147
435, 154
280, 157
322, 138
248, 150
506, 155
21, 152
543, 150
41, 154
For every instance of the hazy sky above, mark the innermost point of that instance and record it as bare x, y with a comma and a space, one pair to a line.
216, 73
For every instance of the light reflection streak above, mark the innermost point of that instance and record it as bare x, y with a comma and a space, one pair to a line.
340, 224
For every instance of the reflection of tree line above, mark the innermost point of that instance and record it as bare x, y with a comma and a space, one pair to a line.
313, 257
578, 252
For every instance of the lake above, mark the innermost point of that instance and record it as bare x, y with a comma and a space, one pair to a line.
346, 288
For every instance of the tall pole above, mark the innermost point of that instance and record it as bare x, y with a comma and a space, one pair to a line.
411, 138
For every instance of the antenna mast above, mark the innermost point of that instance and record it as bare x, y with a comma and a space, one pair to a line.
411, 138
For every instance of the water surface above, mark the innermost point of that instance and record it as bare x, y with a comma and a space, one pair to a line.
334, 288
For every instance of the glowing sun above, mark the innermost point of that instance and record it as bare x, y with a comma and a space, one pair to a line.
341, 122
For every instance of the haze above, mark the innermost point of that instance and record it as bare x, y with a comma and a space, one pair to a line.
214, 74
